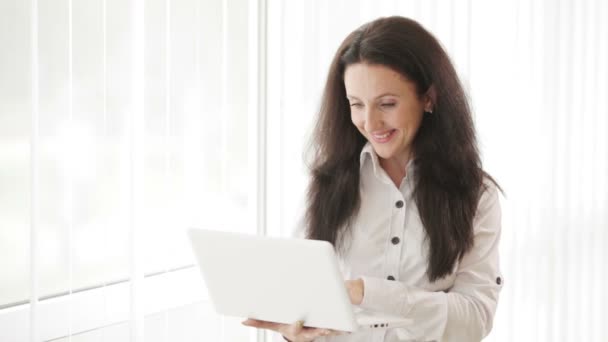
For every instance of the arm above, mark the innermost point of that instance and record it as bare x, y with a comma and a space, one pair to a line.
466, 311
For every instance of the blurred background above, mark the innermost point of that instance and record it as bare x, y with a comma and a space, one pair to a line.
122, 123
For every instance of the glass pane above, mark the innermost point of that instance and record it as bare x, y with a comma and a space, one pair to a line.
295, 88
196, 168
83, 166
92, 168
15, 114
54, 112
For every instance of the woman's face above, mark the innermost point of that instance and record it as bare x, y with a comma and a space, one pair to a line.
385, 108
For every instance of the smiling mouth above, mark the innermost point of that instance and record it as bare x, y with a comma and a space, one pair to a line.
384, 137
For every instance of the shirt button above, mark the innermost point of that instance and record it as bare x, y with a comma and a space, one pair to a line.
399, 204
390, 278
395, 240
498, 281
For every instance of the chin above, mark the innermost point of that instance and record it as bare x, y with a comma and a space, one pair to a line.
384, 152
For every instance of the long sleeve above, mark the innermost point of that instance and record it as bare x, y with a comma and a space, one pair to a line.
466, 311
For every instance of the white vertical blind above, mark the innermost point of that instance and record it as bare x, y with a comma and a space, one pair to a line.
140, 132
34, 180
136, 155
257, 122
139, 118
69, 189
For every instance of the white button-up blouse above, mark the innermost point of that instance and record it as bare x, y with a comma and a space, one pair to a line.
388, 250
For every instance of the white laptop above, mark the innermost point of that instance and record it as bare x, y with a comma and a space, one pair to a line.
280, 280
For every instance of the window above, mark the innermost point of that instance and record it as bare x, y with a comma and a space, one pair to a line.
212, 134
111, 169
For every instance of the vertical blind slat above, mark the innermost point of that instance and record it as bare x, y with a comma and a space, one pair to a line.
224, 97
135, 129
34, 141
69, 193
167, 132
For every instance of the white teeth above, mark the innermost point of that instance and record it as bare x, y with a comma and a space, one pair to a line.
385, 135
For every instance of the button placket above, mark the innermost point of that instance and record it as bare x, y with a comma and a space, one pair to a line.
395, 233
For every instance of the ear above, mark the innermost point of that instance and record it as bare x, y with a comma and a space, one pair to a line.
430, 98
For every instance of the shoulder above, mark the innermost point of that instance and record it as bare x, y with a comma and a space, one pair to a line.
488, 207
490, 191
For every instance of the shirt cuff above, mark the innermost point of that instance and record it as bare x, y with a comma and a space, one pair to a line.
385, 296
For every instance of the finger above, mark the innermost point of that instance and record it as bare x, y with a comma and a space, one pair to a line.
312, 333
256, 323
316, 332
339, 332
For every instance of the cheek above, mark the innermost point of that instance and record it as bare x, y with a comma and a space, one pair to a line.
409, 119
416, 120
357, 120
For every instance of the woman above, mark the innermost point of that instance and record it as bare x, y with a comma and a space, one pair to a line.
398, 187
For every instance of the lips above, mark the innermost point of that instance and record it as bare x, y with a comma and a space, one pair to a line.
384, 136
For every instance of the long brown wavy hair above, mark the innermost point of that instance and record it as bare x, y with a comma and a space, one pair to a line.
449, 178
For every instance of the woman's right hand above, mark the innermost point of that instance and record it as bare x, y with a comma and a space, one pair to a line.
296, 332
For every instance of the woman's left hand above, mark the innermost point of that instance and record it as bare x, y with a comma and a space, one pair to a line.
296, 332
355, 290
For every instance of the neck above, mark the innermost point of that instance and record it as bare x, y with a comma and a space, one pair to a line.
396, 168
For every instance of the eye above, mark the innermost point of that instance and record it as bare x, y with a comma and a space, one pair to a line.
356, 104
388, 105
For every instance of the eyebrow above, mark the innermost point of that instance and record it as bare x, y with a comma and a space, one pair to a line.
377, 97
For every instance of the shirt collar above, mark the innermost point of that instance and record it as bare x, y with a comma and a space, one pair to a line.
367, 152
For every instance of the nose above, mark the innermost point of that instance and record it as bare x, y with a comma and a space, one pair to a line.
373, 119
